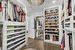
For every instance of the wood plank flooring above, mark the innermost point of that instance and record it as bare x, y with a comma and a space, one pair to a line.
40, 45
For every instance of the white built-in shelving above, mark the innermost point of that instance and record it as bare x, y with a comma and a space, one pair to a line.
52, 29
13, 26
69, 11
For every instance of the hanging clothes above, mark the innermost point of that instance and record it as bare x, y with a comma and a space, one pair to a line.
63, 41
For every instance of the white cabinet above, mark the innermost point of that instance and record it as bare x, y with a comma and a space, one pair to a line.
31, 27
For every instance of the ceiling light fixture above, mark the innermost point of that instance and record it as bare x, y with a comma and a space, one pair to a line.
53, 1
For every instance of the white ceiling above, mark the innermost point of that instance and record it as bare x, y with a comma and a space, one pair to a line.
36, 9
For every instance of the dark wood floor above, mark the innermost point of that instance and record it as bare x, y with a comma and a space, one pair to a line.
40, 45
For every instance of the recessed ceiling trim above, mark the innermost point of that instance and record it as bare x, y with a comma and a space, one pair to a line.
35, 2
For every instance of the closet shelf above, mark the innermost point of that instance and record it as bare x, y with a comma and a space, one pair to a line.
68, 17
50, 19
52, 34
68, 28
15, 32
16, 44
51, 25
67, 22
51, 28
51, 31
51, 22
15, 37
15, 23
14, 29
15, 40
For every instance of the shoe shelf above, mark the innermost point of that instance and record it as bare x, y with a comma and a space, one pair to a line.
52, 24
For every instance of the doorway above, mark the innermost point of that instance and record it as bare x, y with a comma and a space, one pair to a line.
39, 27
70, 41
